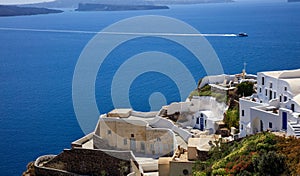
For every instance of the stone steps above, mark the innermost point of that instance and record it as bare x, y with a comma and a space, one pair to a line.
296, 128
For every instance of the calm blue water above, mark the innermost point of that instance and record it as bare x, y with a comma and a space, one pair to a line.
36, 68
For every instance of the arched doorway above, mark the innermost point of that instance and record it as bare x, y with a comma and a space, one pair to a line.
257, 125
261, 125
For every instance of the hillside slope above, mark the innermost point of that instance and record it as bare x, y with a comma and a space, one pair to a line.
260, 154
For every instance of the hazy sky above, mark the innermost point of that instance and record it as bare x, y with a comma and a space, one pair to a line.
21, 1
34, 1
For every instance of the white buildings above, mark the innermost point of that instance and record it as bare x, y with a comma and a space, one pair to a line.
123, 129
200, 112
275, 107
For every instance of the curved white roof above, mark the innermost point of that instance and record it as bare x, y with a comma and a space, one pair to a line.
291, 77
274, 74
125, 120
290, 74
297, 99
294, 84
284, 74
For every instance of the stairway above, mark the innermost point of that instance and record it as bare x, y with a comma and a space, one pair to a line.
296, 128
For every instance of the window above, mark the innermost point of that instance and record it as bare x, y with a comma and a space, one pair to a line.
270, 125
285, 88
185, 172
293, 107
262, 80
270, 95
125, 141
259, 90
201, 115
108, 131
266, 92
274, 95
142, 146
151, 147
158, 139
132, 135
197, 121
280, 98
243, 112
271, 85
242, 127
284, 98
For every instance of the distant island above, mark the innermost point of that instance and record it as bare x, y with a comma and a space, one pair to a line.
110, 7
74, 3
8, 10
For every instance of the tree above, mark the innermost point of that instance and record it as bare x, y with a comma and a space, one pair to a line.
245, 89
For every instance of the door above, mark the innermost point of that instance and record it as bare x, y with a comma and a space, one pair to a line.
197, 123
201, 124
132, 144
284, 120
261, 126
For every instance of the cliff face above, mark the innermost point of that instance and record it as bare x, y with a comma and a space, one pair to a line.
6, 10
30, 170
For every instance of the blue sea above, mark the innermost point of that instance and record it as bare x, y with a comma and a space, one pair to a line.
36, 67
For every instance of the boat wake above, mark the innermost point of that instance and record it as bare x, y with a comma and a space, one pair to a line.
118, 33
220, 35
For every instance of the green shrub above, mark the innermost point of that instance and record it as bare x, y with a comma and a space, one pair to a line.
245, 89
232, 118
198, 173
220, 171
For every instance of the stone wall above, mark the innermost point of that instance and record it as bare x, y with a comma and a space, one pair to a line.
181, 168
43, 171
40, 170
79, 161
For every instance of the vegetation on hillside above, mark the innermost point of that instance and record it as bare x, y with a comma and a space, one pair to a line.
231, 117
260, 154
206, 91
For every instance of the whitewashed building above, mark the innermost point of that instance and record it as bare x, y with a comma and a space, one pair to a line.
275, 106
201, 112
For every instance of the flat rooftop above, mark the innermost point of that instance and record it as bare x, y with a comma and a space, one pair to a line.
203, 142
122, 113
